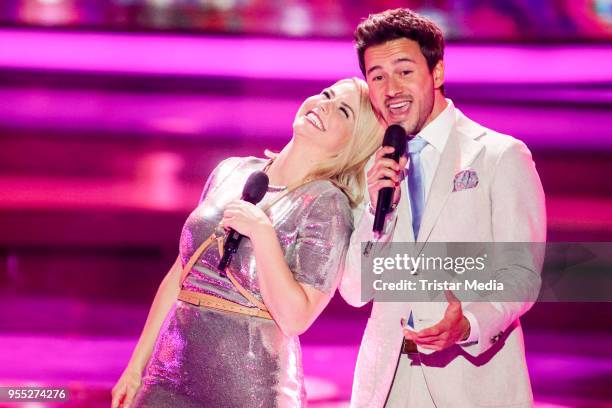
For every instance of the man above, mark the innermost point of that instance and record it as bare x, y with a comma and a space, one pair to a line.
463, 183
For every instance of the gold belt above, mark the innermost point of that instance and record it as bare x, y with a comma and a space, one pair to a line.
213, 302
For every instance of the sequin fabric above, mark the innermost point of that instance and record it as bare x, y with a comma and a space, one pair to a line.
209, 358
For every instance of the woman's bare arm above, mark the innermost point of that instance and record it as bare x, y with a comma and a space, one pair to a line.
129, 382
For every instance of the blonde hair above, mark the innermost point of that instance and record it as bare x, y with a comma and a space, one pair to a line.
346, 169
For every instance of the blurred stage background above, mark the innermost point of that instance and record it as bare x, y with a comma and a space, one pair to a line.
112, 113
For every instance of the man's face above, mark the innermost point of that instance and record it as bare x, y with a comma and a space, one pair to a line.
401, 86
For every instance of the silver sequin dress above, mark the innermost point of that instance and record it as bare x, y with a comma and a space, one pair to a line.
209, 358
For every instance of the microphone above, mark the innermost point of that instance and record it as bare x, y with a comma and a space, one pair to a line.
395, 136
253, 191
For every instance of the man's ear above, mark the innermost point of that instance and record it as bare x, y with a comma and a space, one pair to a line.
438, 74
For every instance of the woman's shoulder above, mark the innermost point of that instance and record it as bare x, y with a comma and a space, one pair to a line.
328, 196
232, 164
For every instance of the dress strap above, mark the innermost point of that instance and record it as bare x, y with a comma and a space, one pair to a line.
195, 256
248, 295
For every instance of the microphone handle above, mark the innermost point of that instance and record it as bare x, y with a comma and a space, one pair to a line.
229, 249
383, 205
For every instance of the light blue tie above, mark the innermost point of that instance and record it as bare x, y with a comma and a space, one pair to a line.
411, 321
416, 182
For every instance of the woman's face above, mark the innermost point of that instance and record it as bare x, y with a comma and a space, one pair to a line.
327, 120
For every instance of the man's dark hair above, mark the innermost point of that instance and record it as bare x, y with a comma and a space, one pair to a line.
400, 23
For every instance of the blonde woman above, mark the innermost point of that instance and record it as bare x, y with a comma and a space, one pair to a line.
233, 341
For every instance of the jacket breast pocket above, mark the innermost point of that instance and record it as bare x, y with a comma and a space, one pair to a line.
466, 216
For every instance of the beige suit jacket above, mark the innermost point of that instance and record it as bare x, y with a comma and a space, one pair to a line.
506, 206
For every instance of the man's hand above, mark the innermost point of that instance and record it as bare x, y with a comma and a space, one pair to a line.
385, 173
454, 327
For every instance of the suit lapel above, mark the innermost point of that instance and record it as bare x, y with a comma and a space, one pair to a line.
441, 186
460, 151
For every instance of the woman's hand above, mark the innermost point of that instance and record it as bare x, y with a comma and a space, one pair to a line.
246, 218
124, 391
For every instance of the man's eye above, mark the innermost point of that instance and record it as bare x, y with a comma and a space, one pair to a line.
326, 94
345, 112
406, 72
377, 78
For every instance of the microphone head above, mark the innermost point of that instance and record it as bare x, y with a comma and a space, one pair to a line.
255, 187
395, 136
